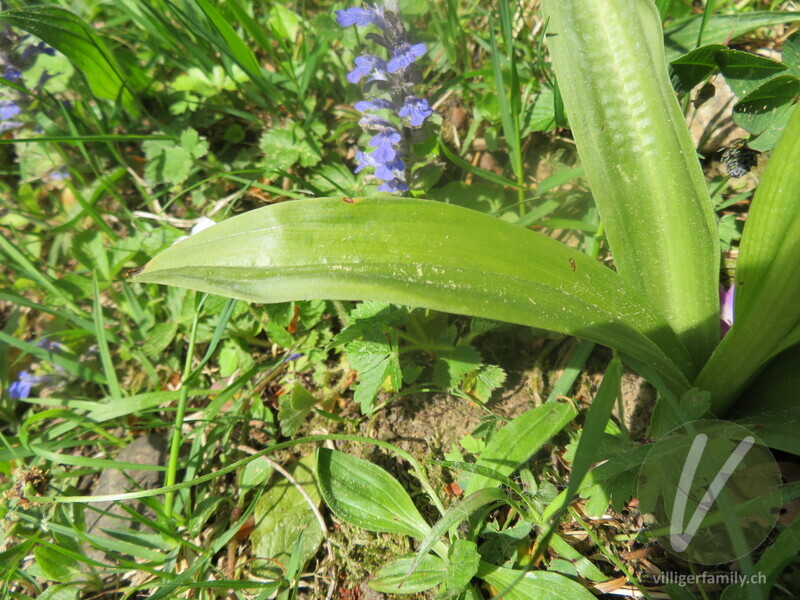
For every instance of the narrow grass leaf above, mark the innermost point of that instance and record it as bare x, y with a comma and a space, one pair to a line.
515, 443
238, 49
102, 344
455, 515
470, 168
73, 367
574, 367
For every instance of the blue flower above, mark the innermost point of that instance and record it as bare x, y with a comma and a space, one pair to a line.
390, 170
60, 174
21, 388
365, 160
384, 144
417, 109
404, 55
12, 74
361, 17
394, 186
8, 110
365, 65
374, 104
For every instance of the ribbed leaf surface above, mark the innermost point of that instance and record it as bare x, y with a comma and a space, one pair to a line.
639, 158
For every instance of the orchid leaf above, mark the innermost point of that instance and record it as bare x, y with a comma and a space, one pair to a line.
639, 158
766, 309
424, 254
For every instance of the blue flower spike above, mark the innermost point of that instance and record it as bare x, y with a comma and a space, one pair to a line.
396, 79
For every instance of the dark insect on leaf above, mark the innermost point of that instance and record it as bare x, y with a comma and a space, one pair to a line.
739, 159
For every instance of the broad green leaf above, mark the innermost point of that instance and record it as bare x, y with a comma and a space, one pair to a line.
74, 38
364, 495
767, 285
515, 443
442, 257
790, 53
640, 160
768, 139
394, 579
294, 408
744, 72
681, 37
57, 566
525, 585
281, 515
585, 567
765, 105
690, 69
455, 515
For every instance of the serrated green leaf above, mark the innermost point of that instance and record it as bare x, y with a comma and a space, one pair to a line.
364, 495
377, 359
289, 145
454, 364
515, 443
484, 381
443, 258
279, 335
192, 144
281, 514
464, 562
394, 579
279, 146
